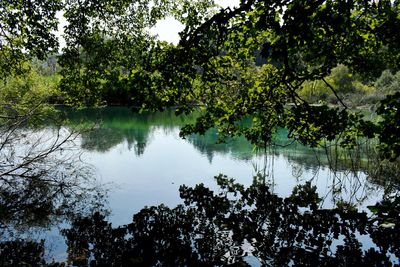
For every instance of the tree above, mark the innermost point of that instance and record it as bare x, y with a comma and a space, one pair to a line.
214, 64
234, 224
26, 30
40, 176
300, 41
110, 56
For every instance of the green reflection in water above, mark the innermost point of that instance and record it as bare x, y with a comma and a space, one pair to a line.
110, 126
105, 128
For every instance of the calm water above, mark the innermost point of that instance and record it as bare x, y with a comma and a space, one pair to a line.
142, 161
146, 161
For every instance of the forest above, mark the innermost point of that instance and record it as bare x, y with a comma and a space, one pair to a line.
323, 73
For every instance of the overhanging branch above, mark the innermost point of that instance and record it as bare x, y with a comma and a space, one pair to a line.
335, 93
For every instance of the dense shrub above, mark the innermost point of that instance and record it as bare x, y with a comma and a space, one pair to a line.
388, 83
27, 92
351, 89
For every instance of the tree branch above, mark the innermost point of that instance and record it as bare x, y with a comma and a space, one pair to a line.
335, 93
55, 146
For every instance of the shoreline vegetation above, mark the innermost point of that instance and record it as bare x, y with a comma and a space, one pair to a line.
355, 92
41, 86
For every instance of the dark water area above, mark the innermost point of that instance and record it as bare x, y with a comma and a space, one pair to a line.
288, 205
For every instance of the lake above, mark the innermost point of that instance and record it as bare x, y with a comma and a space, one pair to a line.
141, 161
146, 160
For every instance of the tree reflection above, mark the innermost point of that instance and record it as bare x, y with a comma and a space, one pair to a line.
236, 225
47, 181
119, 124
43, 184
116, 125
209, 146
386, 174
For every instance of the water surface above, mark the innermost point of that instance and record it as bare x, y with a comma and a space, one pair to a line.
141, 160
146, 161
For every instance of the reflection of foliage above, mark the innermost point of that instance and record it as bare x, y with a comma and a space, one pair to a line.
43, 178
208, 145
43, 184
223, 228
388, 211
21, 253
101, 139
119, 124
386, 174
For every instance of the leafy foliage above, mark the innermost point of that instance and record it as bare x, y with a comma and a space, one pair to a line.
22, 253
27, 93
302, 42
110, 56
388, 83
390, 127
345, 84
26, 31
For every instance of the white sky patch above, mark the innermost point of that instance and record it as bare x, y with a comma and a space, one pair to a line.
226, 3
168, 30
62, 22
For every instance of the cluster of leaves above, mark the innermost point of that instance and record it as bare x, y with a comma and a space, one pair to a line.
388, 83
350, 88
26, 31
27, 93
344, 83
301, 42
389, 132
19, 253
223, 228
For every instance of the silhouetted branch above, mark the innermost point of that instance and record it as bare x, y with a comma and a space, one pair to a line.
335, 93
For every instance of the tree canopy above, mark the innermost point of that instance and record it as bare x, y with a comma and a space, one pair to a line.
243, 66
238, 63
299, 41
26, 30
